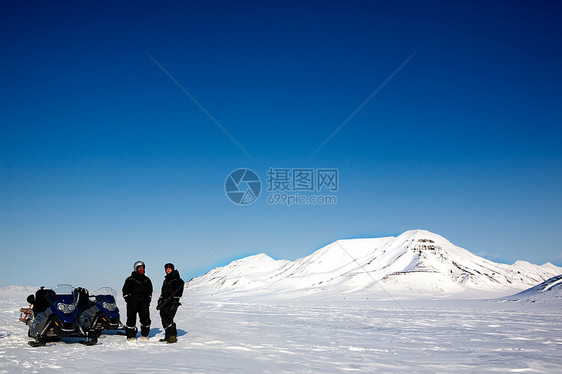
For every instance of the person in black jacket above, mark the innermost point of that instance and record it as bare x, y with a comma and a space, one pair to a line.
137, 292
169, 301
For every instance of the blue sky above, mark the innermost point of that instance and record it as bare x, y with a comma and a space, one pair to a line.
105, 160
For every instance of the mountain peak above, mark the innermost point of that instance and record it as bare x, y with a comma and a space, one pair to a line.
260, 257
419, 234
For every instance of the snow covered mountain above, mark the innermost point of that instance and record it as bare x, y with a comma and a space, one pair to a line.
416, 262
548, 291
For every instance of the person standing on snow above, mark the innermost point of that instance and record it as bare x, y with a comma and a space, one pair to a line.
169, 301
137, 292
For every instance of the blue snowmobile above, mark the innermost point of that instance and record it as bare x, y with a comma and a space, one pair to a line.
108, 316
97, 312
54, 314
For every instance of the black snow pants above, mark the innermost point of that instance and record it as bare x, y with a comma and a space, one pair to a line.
142, 308
167, 313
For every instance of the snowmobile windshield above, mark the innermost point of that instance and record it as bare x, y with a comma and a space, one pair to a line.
105, 291
64, 289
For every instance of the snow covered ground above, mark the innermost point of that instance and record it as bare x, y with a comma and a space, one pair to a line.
405, 336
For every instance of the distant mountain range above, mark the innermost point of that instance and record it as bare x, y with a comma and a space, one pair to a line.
416, 262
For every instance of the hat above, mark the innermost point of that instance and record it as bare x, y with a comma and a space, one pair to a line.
169, 265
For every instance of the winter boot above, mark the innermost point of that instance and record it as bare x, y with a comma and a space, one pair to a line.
165, 339
172, 339
145, 330
131, 332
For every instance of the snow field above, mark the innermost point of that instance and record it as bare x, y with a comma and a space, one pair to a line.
422, 336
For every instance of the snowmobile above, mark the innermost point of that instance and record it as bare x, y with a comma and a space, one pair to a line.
107, 314
54, 314
96, 312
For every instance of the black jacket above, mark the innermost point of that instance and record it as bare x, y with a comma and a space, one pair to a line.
173, 284
137, 289
42, 299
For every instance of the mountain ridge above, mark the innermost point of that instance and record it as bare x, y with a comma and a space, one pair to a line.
549, 291
415, 262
